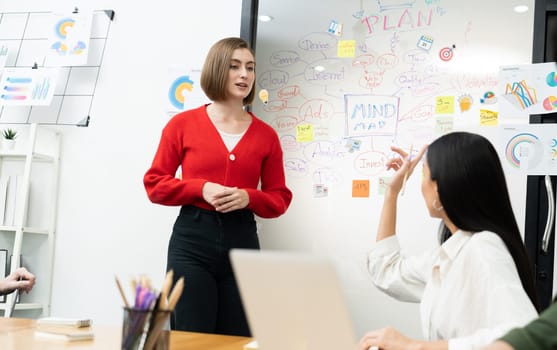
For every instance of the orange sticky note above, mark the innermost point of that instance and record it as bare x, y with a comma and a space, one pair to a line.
360, 188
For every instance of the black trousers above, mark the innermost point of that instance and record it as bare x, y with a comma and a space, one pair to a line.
198, 250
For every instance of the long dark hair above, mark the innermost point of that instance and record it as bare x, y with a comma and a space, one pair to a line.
473, 191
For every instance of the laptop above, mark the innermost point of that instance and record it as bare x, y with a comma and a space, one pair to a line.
293, 301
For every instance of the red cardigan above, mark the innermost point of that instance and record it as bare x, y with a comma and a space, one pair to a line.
191, 140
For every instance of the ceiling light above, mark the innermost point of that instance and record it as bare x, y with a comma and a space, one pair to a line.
521, 8
265, 18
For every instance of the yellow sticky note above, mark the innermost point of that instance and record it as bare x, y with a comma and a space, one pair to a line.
488, 118
360, 188
346, 48
304, 133
444, 105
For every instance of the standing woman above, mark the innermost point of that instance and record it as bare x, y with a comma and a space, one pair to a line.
232, 168
478, 283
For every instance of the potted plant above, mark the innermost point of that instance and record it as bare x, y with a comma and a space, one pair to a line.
8, 138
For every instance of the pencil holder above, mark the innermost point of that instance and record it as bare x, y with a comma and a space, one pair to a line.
143, 329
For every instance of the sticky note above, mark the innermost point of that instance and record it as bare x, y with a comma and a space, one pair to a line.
353, 145
382, 184
320, 190
488, 118
304, 133
346, 48
444, 105
443, 124
360, 188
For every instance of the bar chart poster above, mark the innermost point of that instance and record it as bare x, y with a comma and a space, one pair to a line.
27, 86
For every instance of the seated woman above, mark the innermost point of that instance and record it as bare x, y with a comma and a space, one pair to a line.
478, 283
540, 334
20, 279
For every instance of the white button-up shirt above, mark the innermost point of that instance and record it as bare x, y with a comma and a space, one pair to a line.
469, 288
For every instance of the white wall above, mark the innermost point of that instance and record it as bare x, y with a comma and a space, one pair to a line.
106, 225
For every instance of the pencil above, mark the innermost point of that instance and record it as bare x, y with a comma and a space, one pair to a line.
406, 173
175, 294
121, 291
163, 302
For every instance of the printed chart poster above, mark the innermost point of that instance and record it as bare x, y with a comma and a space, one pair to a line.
68, 43
530, 149
527, 89
184, 90
27, 86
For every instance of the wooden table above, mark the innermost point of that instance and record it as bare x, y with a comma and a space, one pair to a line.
19, 334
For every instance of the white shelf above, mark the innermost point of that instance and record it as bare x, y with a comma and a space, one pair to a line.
23, 306
35, 160
35, 230
20, 156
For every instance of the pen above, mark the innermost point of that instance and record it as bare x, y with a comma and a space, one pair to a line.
140, 296
148, 299
407, 171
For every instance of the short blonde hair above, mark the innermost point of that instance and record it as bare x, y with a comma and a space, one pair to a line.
214, 74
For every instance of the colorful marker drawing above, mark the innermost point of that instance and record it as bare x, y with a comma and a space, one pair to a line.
488, 98
446, 54
425, 42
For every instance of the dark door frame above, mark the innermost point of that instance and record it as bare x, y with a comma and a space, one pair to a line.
544, 50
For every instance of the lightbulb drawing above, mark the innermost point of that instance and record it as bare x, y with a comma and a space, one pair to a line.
264, 96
